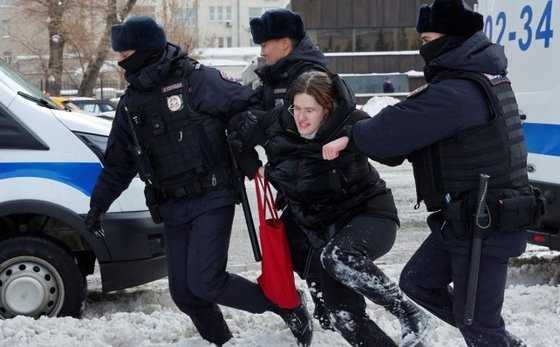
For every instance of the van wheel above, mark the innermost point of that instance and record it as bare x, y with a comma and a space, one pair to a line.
38, 277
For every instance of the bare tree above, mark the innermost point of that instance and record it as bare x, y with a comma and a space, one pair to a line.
179, 28
97, 59
54, 11
81, 39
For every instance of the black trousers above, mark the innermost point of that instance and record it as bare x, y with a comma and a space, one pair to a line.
443, 259
197, 237
346, 272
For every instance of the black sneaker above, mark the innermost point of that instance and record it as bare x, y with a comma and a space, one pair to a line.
298, 320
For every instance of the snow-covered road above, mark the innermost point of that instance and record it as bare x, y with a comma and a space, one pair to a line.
146, 316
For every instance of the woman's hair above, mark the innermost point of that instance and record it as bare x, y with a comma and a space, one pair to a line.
317, 84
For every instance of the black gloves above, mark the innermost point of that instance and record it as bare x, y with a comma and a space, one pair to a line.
235, 142
93, 222
249, 130
246, 132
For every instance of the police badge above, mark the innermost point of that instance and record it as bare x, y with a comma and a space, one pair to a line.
175, 102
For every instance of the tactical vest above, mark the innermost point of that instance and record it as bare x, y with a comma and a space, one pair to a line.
449, 169
274, 96
185, 150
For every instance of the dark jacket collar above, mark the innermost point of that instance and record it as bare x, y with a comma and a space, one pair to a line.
476, 54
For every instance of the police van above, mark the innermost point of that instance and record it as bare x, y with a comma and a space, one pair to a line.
49, 163
530, 32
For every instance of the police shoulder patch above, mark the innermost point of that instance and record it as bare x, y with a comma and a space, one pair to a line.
496, 79
227, 77
418, 91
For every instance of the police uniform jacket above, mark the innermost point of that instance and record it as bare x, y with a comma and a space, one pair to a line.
443, 111
210, 92
323, 195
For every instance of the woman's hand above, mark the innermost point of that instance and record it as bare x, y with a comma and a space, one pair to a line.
332, 149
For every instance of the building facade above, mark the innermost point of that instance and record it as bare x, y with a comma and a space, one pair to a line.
359, 31
189, 23
358, 36
225, 23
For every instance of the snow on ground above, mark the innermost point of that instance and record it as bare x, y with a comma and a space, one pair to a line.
377, 103
146, 315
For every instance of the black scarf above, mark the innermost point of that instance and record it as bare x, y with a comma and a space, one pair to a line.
139, 59
436, 48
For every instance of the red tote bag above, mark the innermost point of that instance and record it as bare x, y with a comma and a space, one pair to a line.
277, 275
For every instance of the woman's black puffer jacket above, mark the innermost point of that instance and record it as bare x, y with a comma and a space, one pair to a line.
323, 195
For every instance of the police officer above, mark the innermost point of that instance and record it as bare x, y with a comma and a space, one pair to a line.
170, 128
289, 52
464, 122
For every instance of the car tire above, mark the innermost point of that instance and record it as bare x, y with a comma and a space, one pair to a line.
38, 277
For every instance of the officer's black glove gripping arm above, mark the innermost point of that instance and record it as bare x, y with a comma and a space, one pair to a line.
93, 222
249, 130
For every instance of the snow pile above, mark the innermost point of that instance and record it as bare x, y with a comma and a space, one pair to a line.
377, 103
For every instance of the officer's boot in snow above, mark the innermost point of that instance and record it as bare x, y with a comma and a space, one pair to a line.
320, 312
298, 320
212, 327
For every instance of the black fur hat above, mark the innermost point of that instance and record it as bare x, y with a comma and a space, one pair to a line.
276, 24
449, 17
140, 33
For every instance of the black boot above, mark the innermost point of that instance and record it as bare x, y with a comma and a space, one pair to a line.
212, 327
298, 320
416, 325
320, 312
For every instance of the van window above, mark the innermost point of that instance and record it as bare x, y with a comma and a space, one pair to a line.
97, 143
14, 134
16, 82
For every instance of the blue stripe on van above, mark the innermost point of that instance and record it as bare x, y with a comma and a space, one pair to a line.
81, 176
542, 138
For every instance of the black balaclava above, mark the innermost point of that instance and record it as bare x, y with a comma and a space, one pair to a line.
139, 59
436, 48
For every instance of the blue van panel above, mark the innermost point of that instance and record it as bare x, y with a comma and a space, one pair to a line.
81, 176
542, 138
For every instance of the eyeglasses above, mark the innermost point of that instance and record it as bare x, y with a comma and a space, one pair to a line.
306, 111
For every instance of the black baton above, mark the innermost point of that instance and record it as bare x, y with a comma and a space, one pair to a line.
480, 214
240, 186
